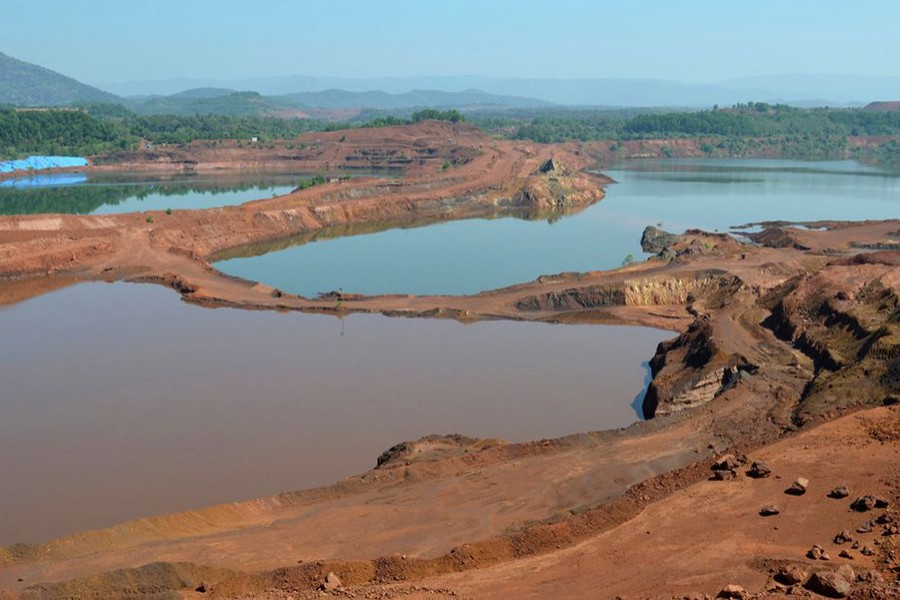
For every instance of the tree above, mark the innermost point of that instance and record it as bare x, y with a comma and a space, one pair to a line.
434, 114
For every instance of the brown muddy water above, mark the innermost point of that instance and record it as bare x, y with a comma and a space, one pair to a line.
121, 401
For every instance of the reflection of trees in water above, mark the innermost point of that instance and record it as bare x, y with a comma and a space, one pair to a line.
367, 227
84, 199
114, 189
886, 156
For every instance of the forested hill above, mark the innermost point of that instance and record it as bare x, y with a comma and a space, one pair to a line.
25, 84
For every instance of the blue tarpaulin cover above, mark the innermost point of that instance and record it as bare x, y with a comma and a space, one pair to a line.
38, 163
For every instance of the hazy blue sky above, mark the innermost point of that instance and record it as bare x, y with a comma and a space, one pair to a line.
699, 40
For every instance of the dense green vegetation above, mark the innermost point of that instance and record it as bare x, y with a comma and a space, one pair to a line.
753, 129
104, 128
108, 128
172, 129
555, 125
743, 130
744, 120
58, 132
761, 120
25, 84
437, 115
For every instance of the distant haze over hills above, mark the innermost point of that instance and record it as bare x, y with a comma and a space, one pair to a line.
24, 84
337, 98
801, 89
232, 102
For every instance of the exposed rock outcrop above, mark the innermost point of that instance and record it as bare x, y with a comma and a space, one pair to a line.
691, 370
711, 287
831, 584
693, 242
656, 241
852, 337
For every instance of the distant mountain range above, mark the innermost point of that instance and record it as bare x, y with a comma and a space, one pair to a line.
24, 84
232, 102
849, 89
338, 98
800, 89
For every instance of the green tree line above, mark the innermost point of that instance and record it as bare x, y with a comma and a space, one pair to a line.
788, 131
743, 120
104, 128
56, 132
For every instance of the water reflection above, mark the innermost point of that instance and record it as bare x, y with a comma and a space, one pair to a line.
465, 257
39, 181
550, 217
105, 193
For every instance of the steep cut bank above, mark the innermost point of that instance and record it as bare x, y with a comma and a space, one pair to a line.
839, 318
